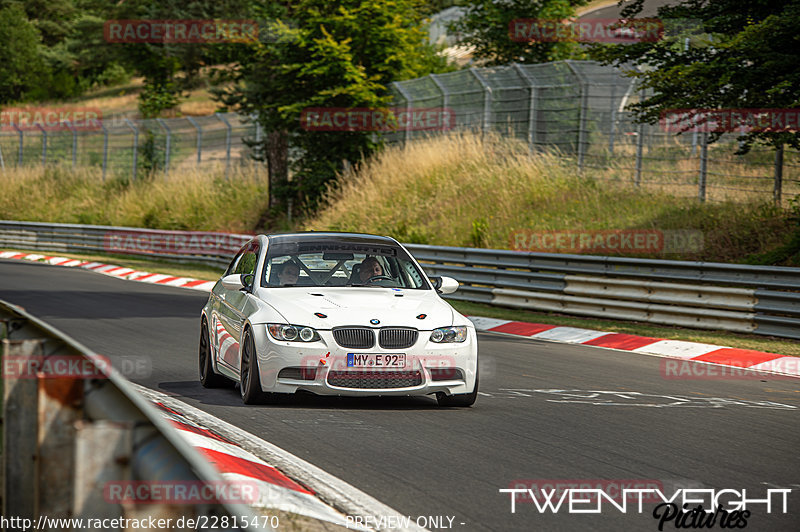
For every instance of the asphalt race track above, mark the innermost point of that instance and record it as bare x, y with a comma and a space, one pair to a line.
426, 461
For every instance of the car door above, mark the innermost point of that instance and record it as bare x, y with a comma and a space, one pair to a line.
232, 303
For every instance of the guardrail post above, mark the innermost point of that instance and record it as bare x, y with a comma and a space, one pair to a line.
20, 429
199, 138
227, 143
135, 146
44, 144
701, 181
777, 190
105, 149
2, 163
168, 144
487, 101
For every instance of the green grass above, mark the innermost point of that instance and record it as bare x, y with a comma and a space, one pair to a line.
727, 339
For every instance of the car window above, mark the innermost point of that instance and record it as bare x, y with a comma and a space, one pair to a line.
342, 268
247, 264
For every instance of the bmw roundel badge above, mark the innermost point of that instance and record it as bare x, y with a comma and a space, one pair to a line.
374, 321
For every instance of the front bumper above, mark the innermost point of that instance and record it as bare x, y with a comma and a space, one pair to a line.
425, 371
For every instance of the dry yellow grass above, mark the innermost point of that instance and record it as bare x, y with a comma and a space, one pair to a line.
462, 190
188, 199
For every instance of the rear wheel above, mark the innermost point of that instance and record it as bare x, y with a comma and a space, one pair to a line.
249, 380
208, 378
460, 399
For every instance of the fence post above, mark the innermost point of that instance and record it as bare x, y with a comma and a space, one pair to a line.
19, 156
74, 143
168, 144
487, 100
44, 144
199, 138
777, 191
443, 90
105, 149
227, 143
2, 163
701, 192
135, 145
408, 99
531, 106
584, 99
613, 128
639, 153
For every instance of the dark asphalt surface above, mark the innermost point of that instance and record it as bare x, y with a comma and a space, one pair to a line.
424, 461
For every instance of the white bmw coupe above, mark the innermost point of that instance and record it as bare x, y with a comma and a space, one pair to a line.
335, 314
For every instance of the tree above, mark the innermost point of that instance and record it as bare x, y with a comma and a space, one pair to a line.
486, 27
745, 55
21, 65
316, 53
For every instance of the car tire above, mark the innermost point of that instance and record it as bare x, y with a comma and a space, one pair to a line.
459, 399
208, 377
249, 380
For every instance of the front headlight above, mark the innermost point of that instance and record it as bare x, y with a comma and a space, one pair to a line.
445, 335
292, 333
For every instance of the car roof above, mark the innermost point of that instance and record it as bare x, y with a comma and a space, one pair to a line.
316, 236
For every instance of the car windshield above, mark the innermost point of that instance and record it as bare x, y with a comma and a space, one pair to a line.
378, 266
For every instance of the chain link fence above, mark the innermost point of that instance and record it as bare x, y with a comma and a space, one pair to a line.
579, 108
125, 146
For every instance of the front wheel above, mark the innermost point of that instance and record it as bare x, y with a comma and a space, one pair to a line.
460, 399
249, 379
208, 377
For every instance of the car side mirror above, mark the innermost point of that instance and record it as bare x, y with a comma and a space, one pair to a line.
233, 282
448, 285
444, 285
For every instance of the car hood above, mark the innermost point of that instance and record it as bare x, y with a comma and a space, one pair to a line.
358, 306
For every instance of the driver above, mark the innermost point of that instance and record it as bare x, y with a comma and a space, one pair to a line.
288, 273
370, 267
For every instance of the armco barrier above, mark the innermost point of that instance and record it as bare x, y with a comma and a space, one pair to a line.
74, 430
753, 299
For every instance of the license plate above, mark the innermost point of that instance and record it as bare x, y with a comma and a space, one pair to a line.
375, 360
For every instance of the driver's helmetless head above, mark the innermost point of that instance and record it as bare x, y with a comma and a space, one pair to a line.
370, 267
289, 273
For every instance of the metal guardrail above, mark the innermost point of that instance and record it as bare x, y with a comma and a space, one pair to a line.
743, 298
735, 297
71, 430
